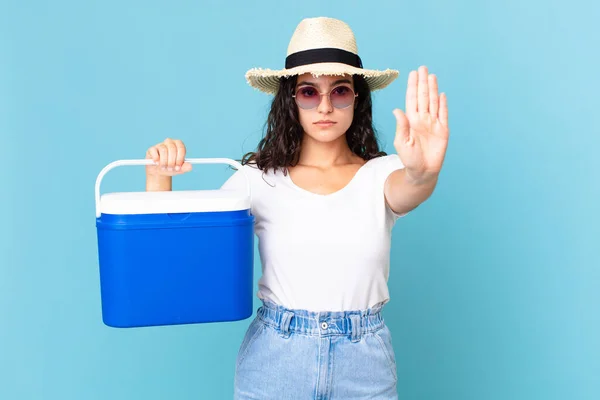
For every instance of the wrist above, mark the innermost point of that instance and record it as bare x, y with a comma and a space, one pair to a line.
420, 177
158, 182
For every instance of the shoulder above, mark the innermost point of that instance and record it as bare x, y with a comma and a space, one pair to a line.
254, 173
380, 168
249, 171
252, 169
385, 164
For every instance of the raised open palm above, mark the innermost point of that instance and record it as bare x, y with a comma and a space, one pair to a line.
422, 132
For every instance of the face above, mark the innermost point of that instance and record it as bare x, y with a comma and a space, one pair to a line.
338, 91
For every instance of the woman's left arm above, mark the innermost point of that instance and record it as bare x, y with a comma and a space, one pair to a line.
421, 142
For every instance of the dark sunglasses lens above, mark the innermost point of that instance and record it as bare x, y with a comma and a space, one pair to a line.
342, 97
307, 97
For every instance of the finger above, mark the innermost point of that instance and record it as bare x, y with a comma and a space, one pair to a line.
172, 154
411, 93
443, 113
433, 96
402, 127
152, 154
423, 91
162, 156
180, 154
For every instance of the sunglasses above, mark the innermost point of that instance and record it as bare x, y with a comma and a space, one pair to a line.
340, 97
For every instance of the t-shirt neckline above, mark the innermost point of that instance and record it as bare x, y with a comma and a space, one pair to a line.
288, 178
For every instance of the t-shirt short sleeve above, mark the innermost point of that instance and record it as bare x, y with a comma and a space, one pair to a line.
237, 181
389, 164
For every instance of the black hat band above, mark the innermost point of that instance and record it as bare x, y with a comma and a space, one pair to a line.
322, 55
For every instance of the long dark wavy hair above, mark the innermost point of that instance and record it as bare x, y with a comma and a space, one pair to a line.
281, 145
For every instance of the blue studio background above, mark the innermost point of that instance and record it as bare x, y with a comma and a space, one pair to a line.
495, 280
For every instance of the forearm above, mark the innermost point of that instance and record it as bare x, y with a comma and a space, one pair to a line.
159, 183
404, 193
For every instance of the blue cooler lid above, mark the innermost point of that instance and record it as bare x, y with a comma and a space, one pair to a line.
172, 202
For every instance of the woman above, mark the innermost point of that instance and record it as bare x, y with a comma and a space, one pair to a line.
325, 200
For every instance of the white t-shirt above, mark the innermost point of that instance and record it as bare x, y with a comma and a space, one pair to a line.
323, 252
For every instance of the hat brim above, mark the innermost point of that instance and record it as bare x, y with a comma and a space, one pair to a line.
267, 80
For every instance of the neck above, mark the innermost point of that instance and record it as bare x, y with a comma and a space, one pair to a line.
325, 154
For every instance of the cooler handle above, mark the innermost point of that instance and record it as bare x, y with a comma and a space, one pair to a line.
119, 163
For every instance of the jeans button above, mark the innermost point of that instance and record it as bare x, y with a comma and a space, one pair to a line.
324, 325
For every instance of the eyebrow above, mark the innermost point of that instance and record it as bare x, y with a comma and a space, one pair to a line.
333, 84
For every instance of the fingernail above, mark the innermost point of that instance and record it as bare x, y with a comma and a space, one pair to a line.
170, 168
163, 168
177, 168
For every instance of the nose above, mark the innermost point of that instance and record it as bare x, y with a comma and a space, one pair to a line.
325, 105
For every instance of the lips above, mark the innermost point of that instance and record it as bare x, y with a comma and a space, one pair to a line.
325, 123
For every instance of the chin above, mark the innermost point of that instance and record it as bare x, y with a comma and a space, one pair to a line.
325, 136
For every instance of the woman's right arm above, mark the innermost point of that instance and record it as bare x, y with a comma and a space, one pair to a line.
168, 157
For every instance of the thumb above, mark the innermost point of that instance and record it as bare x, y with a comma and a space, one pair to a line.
186, 167
402, 126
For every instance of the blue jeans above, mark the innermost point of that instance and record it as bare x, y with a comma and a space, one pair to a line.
299, 354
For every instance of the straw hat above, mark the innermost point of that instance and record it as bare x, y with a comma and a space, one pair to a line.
321, 46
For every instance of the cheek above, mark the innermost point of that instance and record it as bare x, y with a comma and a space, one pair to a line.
305, 119
346, 117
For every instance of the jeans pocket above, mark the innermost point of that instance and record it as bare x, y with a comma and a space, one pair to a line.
254, 329
384, 337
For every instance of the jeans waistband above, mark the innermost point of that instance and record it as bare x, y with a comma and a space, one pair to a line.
321, 323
